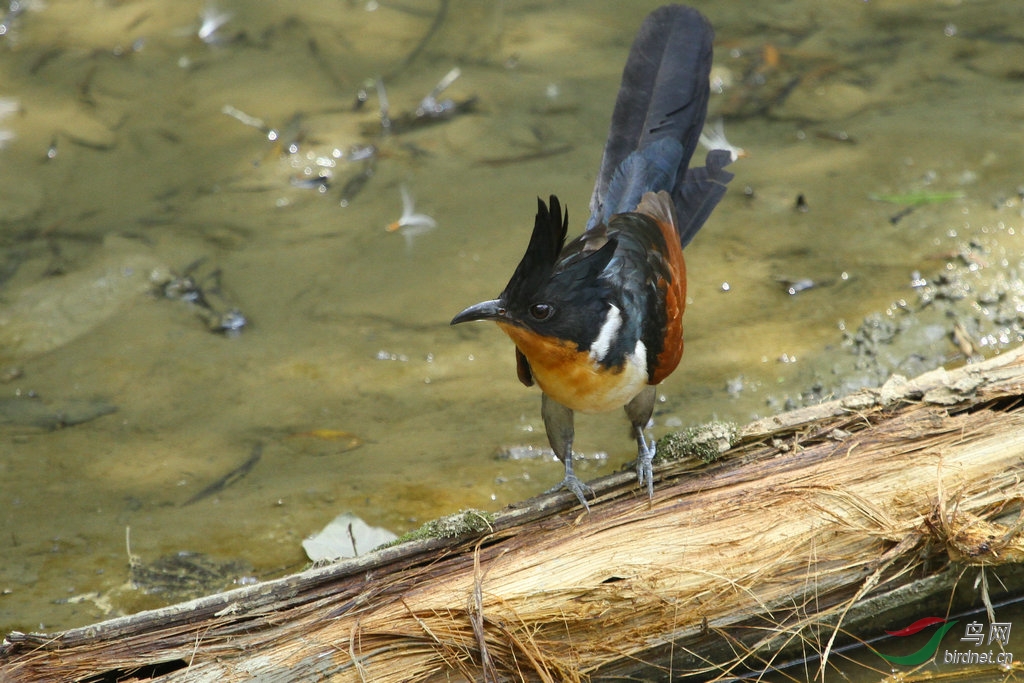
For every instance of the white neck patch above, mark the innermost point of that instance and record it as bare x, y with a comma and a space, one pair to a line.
609, 332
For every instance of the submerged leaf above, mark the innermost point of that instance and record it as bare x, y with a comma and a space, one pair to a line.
345, 536
917, 198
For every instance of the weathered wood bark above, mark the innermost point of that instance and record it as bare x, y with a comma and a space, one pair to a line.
815, 517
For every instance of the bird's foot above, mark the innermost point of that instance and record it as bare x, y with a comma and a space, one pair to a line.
645, 468
573, 484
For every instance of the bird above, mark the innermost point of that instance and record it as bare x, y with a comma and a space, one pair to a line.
597, 321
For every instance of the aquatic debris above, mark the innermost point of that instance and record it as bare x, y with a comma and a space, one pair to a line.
527, 156
286, 138
30, 411
345, 536
713, 137
8, 106
527, 452
326, 441
912, 200
251, 121
901, 214
211, 20
530, 452
356, 183
430, 106
320, 442
360, 152
794, 287
182, 287
385, 107
919, 198
328, 434
429, 110
185, 574
200, 293
11, 373
230, 322
231, 477
836, 136
411, 224
320, 183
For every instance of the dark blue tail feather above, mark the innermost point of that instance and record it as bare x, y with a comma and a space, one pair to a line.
698, 192
657, 121
652, 168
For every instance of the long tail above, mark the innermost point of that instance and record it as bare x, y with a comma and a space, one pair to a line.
657, 121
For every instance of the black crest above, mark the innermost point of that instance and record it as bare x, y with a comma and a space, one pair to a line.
537, 264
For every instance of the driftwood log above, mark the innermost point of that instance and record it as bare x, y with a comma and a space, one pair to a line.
813, 522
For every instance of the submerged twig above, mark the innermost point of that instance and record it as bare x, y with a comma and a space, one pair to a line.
439, 18
231, 477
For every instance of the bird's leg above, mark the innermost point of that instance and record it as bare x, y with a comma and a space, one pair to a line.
639, 412
558, 422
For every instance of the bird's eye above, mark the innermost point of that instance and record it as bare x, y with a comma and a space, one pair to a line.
541, 311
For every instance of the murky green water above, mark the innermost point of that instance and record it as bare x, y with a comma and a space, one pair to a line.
347, 381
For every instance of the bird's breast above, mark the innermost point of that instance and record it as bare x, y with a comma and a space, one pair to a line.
578, 379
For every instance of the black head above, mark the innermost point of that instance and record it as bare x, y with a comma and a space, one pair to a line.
551, 293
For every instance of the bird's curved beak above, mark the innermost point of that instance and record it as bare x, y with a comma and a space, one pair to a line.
485, 310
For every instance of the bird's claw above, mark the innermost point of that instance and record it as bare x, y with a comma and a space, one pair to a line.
572, 483
645, 469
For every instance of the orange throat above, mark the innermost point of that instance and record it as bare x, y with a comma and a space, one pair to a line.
575, 378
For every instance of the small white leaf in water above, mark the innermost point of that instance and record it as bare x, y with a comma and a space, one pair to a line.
345, 536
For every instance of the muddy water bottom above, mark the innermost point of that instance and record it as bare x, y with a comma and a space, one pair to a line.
132, 414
